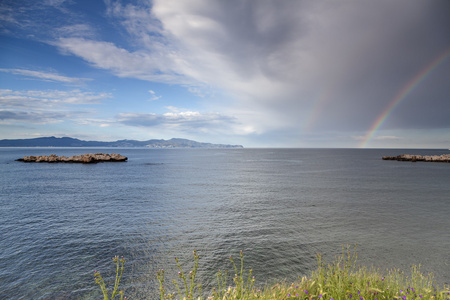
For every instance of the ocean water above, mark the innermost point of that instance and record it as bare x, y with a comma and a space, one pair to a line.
60, 222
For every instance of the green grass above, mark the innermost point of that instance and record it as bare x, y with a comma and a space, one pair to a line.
342, 279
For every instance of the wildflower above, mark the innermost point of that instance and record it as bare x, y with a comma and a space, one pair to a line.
420, 296
320, 296
350, 296
359, 292
404, 297
288, 295
361, 298
306, 292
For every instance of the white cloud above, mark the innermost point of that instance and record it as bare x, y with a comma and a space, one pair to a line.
140, 23
55, 3
86, 121
43, 107
48, 99
6, 16
182, 121
143, 65
76, 30
153, 96
40, 20
46, 76
173, 108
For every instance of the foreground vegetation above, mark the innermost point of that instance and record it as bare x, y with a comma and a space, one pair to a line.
342, 279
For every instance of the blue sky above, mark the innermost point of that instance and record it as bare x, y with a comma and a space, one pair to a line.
259, 73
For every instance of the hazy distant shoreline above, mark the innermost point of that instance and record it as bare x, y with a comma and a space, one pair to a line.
76, 143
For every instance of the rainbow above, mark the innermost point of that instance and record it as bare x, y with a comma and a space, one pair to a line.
402, 94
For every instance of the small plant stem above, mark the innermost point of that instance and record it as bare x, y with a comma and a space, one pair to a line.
104, 290
116, 285
248, 282
184, 279
160, 276
178, 288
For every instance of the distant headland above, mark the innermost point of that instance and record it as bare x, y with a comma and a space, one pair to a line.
72, 142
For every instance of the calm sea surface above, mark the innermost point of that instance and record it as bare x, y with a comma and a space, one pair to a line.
60, 222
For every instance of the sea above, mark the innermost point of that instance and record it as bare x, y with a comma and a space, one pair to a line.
281, 207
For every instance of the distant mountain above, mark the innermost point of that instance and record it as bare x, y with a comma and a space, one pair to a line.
71, 142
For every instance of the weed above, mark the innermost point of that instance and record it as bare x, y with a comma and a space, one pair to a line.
99, 280
340, 280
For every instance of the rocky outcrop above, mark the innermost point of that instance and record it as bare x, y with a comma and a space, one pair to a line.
414, 158
87, 158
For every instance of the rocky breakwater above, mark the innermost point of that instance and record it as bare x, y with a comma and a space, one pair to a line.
87, 158
414, 158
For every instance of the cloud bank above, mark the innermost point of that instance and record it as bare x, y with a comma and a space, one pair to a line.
46, 76
43, 107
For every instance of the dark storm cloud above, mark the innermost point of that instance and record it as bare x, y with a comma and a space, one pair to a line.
283, 56
251, 31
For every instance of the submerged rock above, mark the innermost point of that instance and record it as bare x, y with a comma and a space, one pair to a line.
87, 158
414, 158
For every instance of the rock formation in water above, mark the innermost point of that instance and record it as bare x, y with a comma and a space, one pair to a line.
414, 158
84, 158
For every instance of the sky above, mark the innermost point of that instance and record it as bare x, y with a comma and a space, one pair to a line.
259, 73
